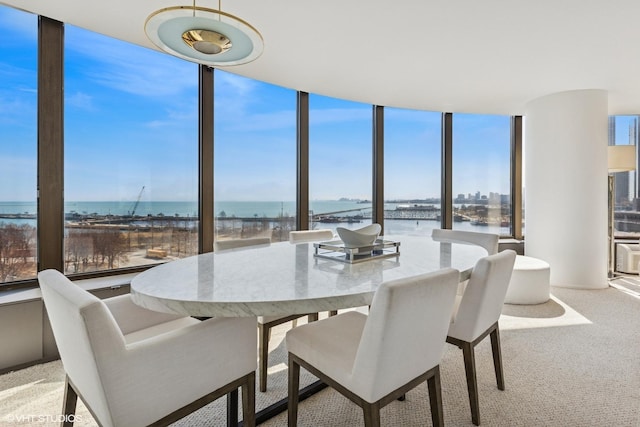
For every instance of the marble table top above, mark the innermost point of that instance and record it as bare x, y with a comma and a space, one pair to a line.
283, 278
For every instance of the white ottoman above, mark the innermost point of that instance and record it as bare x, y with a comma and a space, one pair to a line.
529, 282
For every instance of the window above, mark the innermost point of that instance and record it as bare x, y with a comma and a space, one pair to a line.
340, 162
255, 159
131, 154
481, 173
623, 130
412, 171
524, 176
18, 144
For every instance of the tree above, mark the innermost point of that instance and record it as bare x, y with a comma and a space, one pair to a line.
16, 246
112, 246
78, 248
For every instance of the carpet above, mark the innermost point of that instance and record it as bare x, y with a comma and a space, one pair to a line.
573, 361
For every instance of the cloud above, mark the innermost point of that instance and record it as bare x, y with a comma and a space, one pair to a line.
177, 117
80, 100
237, 86
129, 68
283, 119
242, 104
234, 94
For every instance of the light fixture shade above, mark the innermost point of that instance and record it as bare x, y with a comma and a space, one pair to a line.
165, 28
621, 158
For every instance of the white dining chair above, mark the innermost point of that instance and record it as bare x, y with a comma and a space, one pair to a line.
306, 236
303, 236
136, 367
375, 359
488, 241
230, 244
476, 315
265, 323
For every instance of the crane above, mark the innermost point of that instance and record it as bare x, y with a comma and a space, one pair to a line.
135, 205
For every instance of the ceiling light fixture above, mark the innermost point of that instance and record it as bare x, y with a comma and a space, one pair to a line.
206, 36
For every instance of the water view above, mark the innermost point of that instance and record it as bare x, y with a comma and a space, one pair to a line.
108, 235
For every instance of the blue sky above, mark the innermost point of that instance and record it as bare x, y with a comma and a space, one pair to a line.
131, 120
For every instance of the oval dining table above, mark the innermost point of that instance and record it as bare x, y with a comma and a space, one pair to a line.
286, 279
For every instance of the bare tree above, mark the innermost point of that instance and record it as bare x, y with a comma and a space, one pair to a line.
115, 248
16, 247
78, 248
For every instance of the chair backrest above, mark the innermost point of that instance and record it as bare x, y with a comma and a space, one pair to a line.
405, 332
489, 241
483, 297
86, 334
302, 236
225, 245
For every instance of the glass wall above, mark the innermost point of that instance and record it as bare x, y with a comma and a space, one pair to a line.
482, 173
623, 130
131, 158
255, 159
18, 144
340, 163
412, 171
131, 154
524, 175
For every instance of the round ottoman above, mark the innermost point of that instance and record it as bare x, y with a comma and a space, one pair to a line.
529, 282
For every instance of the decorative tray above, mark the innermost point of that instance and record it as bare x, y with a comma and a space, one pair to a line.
336, 250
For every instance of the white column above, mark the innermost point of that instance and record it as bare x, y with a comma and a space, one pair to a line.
566, 186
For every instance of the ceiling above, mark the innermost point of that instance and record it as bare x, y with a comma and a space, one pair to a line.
489, 56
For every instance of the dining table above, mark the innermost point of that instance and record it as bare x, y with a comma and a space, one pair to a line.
285, 279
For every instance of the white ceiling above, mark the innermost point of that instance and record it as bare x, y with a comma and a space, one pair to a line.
482, 56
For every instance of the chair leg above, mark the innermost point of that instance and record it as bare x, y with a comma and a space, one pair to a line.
263, 354
435, 398
497, 357
232, 408
294, 390
472, 382
249, 401
371, 414
68, 404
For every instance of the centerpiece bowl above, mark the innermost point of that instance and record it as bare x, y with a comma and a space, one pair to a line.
365, 236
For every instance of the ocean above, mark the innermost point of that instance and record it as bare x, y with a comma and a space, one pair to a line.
186, 209
244, 209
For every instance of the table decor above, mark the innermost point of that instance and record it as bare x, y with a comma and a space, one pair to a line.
361, 237
337, 250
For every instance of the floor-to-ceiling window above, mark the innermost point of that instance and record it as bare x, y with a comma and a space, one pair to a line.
623, 130
254, 160
18, 144
523, 176
340, 163
412, 171
131, 166
482, 173
131, 154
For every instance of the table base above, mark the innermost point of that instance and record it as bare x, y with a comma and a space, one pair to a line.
271, 410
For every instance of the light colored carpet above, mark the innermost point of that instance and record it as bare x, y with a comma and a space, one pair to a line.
573, 361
